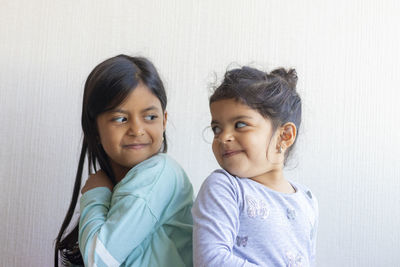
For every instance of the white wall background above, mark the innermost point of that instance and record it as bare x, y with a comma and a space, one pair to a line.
347, 57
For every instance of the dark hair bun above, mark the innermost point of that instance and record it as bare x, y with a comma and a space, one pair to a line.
289, 76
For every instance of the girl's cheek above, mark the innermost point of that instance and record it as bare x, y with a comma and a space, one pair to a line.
214, 147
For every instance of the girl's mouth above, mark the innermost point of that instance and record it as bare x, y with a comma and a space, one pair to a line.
231, 153
135, 146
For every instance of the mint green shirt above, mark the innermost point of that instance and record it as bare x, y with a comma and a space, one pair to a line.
145, 221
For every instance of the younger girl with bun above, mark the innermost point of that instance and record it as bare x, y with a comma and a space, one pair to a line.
248, 213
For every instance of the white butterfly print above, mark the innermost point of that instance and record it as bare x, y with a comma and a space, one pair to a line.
257, 208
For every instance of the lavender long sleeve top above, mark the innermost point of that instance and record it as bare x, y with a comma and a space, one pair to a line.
239, 222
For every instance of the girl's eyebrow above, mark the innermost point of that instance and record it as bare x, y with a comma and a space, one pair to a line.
151, 108
119, 110
240, 117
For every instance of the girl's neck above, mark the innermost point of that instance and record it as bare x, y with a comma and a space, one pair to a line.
119, 171
275, 180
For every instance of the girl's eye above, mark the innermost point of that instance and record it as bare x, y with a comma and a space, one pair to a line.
216, 130
150, 117
240, 124
120, 119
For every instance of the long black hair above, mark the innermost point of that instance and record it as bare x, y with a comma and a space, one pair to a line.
273, 94
107, 86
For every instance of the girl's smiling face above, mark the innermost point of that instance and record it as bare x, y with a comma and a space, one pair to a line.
133, 131
244, 141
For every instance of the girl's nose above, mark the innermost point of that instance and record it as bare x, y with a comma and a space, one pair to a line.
135, 129
226, 137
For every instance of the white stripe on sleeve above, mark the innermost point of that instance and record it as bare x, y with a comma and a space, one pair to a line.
105, 256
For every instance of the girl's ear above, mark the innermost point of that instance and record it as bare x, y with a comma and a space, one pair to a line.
287, 136
165, 120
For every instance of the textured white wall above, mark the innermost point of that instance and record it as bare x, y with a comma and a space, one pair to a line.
347, 57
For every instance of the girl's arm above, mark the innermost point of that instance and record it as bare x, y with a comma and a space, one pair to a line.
114, 226
216, 223
108, 234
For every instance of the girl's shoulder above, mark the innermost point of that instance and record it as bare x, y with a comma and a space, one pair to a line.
169, 167
162, 161
156, 164
221, 176
219, 189
152, 173
221, 182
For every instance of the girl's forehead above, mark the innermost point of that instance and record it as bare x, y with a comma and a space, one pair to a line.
229, 106
140, 97
228, 109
